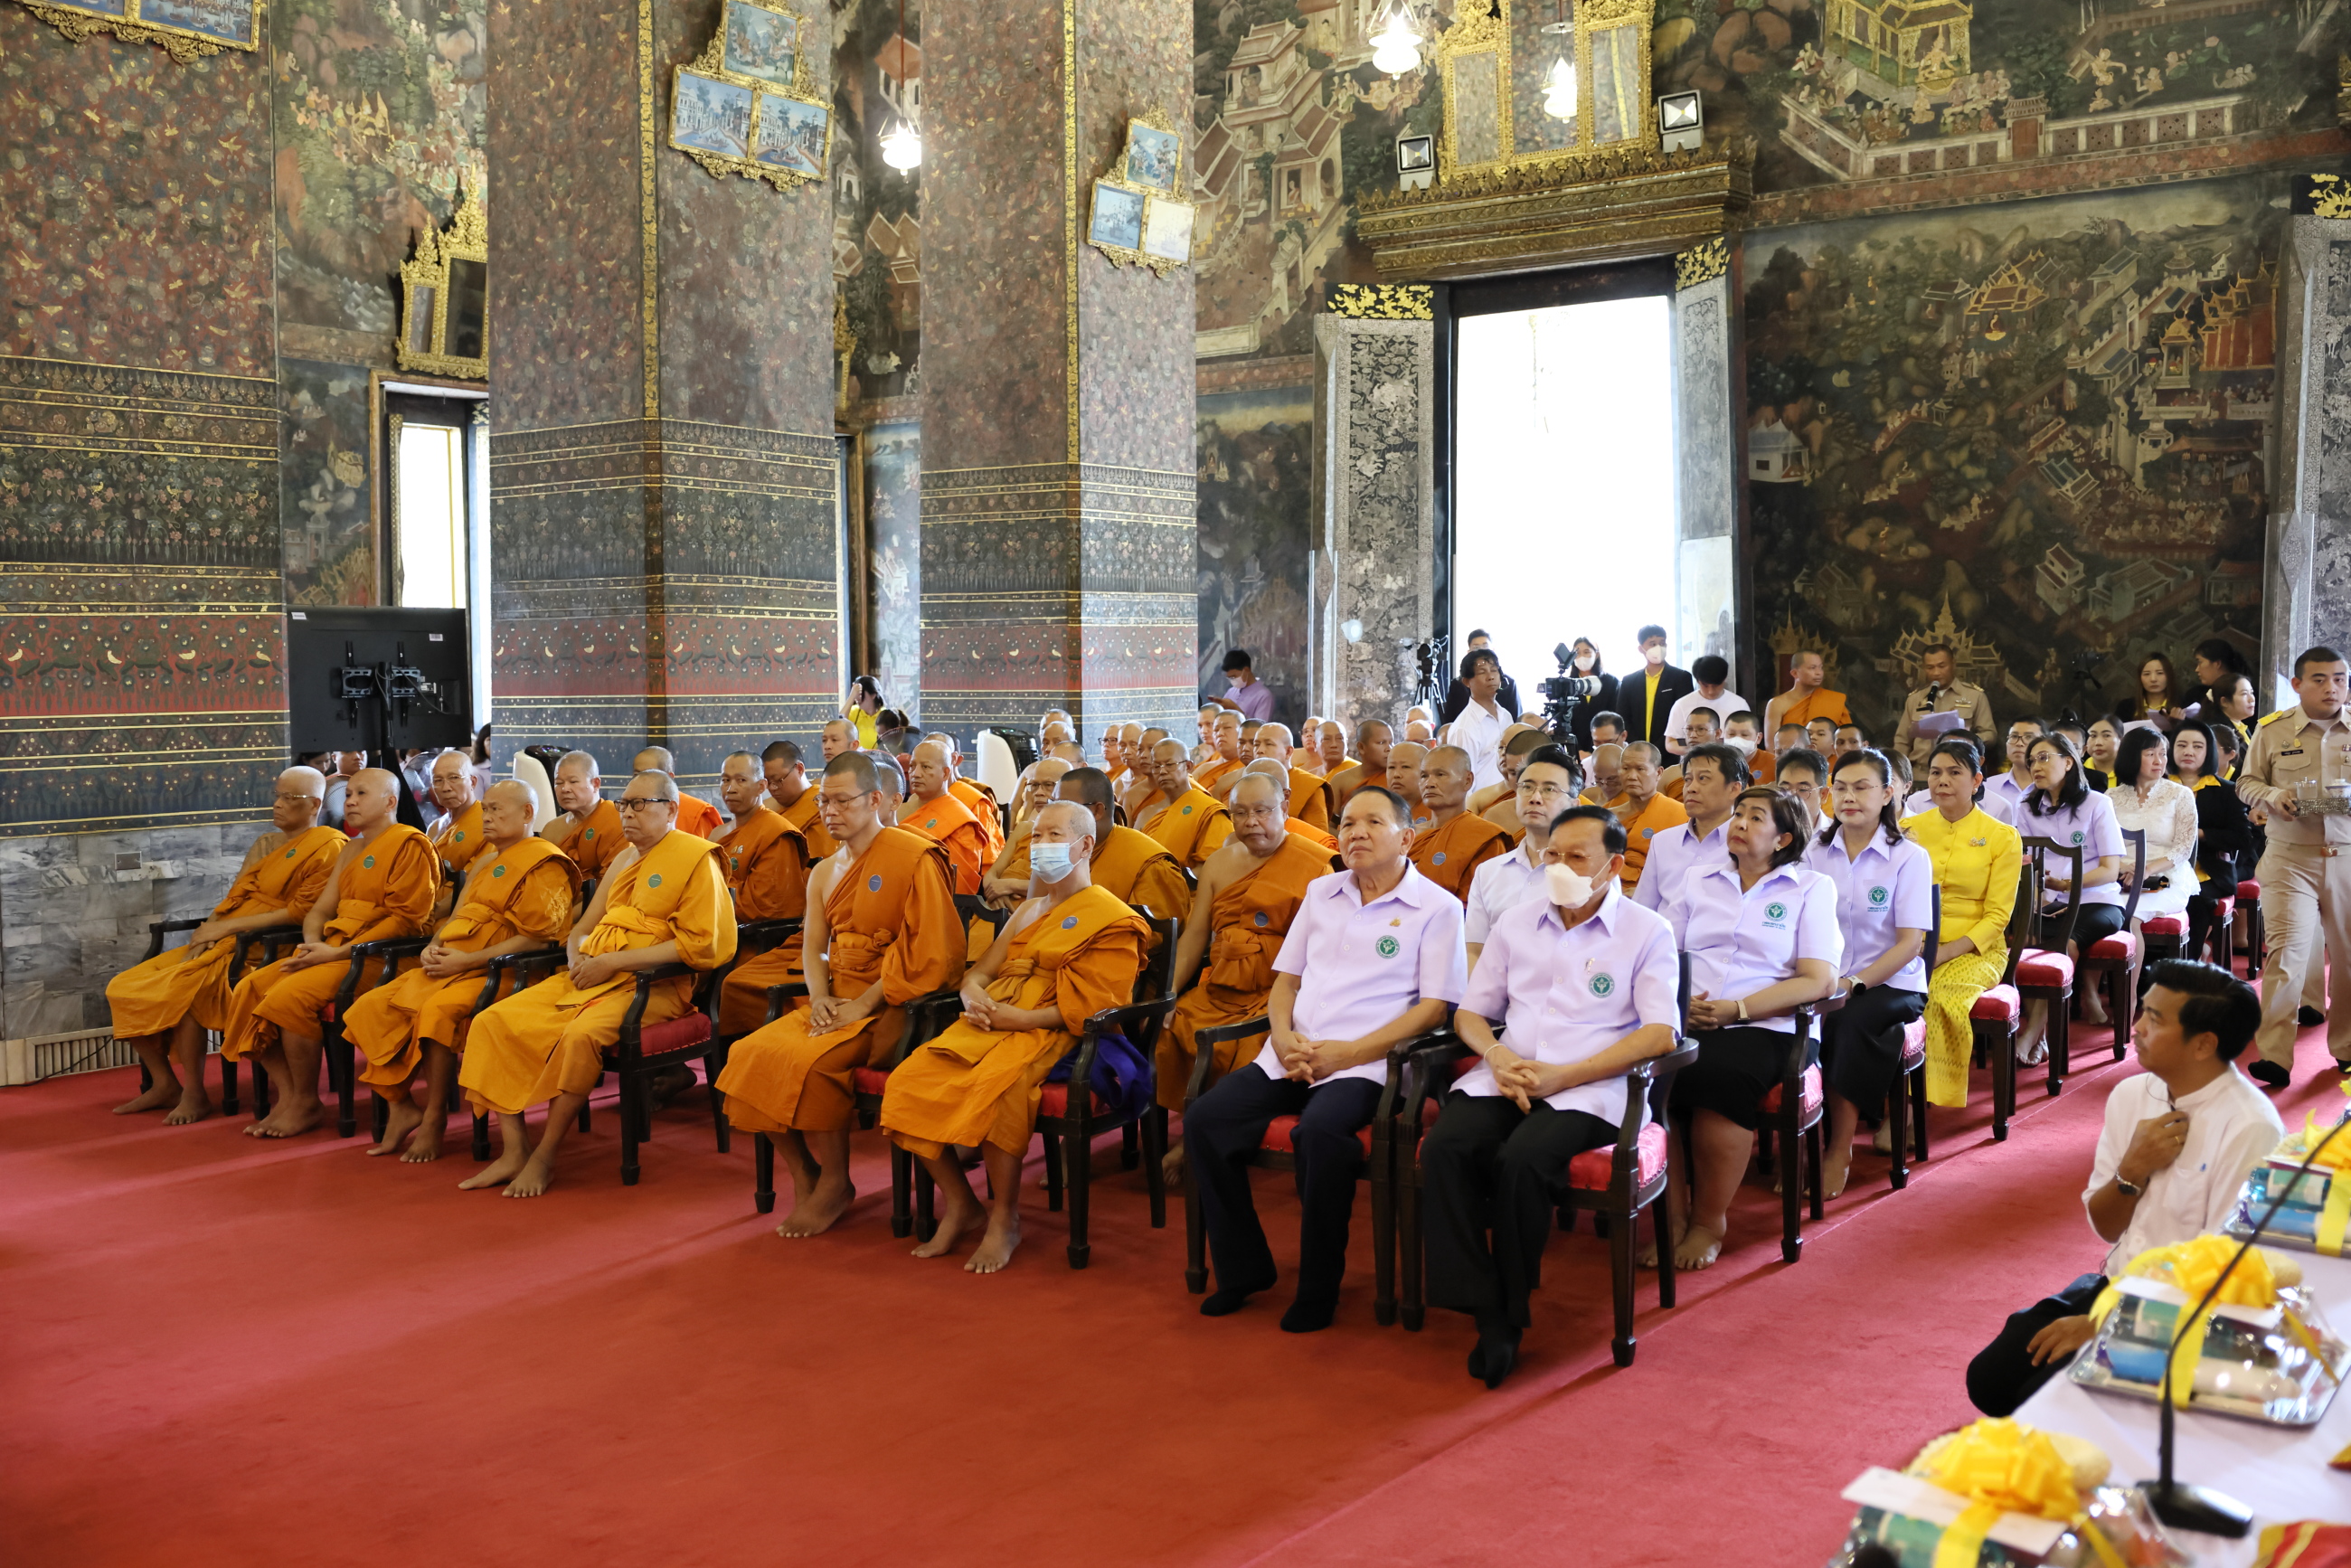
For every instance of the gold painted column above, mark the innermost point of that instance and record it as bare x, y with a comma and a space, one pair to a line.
1059, 545
664, 477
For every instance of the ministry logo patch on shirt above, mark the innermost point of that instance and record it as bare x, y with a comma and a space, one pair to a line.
1387, 947
1878, 897
1602, 985
1775, 914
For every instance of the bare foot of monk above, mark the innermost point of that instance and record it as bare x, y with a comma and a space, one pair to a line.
961, 1216
289, 1121
499, 1172
995, 1250
530, 1181
819, 1211
404, 1118
1697, 1249
424, 1148
194, 1106
162, 1093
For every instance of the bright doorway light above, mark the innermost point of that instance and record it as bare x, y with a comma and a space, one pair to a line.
431, 517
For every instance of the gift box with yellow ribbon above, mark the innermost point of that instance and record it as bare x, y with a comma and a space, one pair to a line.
2316, 1215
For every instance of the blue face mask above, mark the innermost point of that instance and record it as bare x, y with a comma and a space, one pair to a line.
1050, 863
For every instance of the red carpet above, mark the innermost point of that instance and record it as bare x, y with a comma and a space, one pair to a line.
223, 1353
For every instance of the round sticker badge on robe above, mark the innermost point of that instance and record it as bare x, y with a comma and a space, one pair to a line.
873, 882
1438, 858
368, 862
1261, 921
496, 872
1071, 924
653, 881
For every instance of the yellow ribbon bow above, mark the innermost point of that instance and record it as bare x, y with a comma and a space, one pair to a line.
2003, 1467
2335, 1213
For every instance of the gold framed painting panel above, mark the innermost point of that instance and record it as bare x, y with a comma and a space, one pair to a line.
177, 25
786, 135
423, 342
1622, 27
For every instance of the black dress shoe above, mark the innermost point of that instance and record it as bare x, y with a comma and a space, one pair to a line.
2269, 1075
2308, 1017
1309, 1317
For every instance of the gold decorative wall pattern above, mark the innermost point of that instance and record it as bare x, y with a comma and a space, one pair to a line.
444, 297
1383, 301
1547, 85
1701, 264
188, 29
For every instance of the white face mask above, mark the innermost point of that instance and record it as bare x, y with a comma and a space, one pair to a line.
1745, 744
1566, 887
1585, 661
1050, 863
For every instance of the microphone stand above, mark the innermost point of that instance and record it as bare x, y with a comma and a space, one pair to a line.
2201, 1508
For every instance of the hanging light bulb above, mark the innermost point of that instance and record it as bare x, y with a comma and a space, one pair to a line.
902, 144
1559, 89
1395, 47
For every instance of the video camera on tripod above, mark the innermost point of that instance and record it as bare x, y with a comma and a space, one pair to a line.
1564, 693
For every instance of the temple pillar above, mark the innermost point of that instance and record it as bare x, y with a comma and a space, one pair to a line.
2306, 591
1374, 587
663, 477
1058, 547
1707, 485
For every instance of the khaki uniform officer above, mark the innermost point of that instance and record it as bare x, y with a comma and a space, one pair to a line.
2305, 875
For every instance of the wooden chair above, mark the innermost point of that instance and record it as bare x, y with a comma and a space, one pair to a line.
268, 939
156, 931
1794, 1110
2118, 959
2257, 932
525, 968
2044, 972
1906, 1106
1998, 1011
334, 1049
753, 937
1205, 1042
644, 1049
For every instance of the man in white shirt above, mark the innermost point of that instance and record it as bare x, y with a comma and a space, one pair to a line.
1478, 728
1711, 671
1712, 778
2011, 787
2179, 1142
1546, 788
1585, 983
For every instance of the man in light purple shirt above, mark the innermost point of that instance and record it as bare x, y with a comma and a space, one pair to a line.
1373, 959
1712, 776
1586, 984
1247, 696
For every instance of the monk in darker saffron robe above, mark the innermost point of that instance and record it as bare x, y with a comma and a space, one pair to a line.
696, 815
1062, 957
1306, 794
459, 838
1231, 756
589, 831
384, 887
664, 902
1449, 852
1372, 741
932, 810
882, 930
1191, 825
792, 796
519, 896
767, 873
981, 804
1249, 894
162, 1005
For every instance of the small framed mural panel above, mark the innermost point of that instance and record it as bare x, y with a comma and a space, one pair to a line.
189, 29
1136, 216
748, 105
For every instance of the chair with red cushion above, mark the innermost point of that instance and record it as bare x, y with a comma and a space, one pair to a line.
2044, 972
1069, 1115
1999, 1013
526, 968
1792, 1112
2257, 933
644, 1049
1906, 1106
2116, 959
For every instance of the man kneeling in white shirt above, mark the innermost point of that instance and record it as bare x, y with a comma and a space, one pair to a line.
2180, 1141
1584, 981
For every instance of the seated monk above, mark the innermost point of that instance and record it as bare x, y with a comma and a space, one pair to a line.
382, 886
1141, 792
1405, 760
695, 816
1306, 793
664, 902
1607, 777
792, 796
976, 797
934, 811
1133, 868
1330, 748
458, 838
1449, 852
589, 831
1007, 882
162, 1005
1231, 753
1063, 957
519, 896
1188, 821
1267, 768
1373, 740
882, 930
1248, 895
767, 873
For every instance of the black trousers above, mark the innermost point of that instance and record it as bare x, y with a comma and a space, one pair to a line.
1224, 1128
1861, 1045
2002, 1377
1488, 1166
2204, 917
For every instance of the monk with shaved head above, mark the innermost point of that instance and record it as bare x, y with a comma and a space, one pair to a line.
383, 887
1331, 756
1190, 824
1305, 785
934, 811
588, 829
1266, 768
519, 896
1372, 741
1456, 843
1007, 882
768, 872
1405, 760
1139, 792
791, 795
977, 798
457, 838
162, 1005
695, 816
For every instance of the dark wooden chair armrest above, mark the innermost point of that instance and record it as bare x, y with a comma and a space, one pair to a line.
494, 973
928, 1018
267, 938
393, 947
1138, 1021
157, 928
760, 935
1205, 1042
778, 995
1411, 1063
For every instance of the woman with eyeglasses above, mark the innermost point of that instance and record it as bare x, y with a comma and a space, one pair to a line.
2061, 807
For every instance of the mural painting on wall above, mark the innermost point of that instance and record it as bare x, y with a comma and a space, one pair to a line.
1838, 92
877, 227
1255, 452
2036, 432
329, 537
894, 536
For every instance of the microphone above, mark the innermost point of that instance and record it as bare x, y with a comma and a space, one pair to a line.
1934, 695
2201, 1508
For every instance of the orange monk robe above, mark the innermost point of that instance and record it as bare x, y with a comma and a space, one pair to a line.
550, 1037
1312, 834
1134, 867
590, 843
153, 995
1308, 803
1210, 774
699, 817
973, 1085
1353, 777
767, 871
458, 840
1246, 923
801, 817
1762, 765
890, 915
525, 891
1192, 828
1450, 855
386, 890
984, 810
1142, 795
947, 821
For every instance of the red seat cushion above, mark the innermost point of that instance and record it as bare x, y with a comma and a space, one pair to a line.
1999, 1004
2037, 968
1054, 1101
678, 1034
1276, 1137
2249, 888
1808, 1099
1913, 1043
1592, 1169
869, 1080
2119, 949
1462, 1064
2164, 925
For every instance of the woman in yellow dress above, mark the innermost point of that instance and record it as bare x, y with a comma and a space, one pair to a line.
1977, 860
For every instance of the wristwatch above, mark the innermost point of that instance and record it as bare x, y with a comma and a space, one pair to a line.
1853, 985
1743, 1010
2126, 1189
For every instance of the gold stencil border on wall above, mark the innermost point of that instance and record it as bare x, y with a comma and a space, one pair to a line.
725, 74
425, 295
164, 22
1135, 217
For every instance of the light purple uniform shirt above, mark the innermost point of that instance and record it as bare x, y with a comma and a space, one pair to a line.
1256, 699
1888, 887
1500, 885
1673, 855
1566, 995
2093, 826
1360, 965
1742, 941
2002, 786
